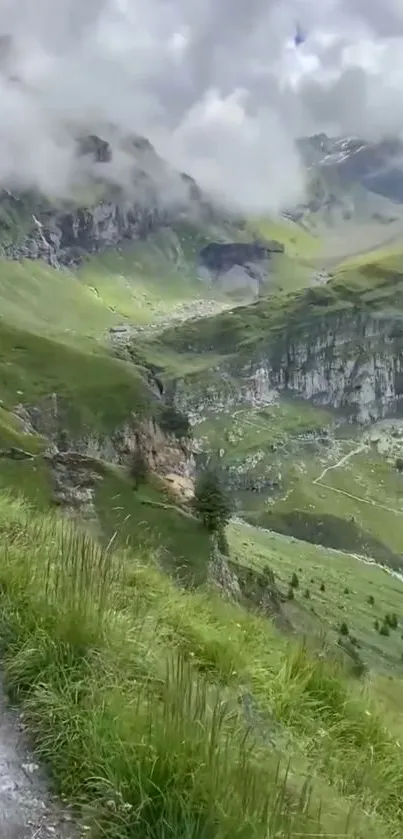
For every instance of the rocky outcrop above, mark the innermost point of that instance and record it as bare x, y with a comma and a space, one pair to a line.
74, 478
77, 462
256, 590
237, 265
163, 452
260, 591
66, 237
130, 192
352, 363
14, 453
220, 575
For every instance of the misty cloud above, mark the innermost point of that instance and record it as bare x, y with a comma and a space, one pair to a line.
219, 88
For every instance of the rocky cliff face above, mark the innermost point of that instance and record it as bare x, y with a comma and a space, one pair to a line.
353, 363
64, 238
114, 209
78, 462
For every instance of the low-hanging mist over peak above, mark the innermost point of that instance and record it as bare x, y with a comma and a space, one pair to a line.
222, 92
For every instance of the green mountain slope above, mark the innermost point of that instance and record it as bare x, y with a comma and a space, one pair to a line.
173, 684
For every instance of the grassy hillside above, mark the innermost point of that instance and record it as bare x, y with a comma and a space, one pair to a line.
247, 327
137, 283
355, 506
150, 278
171, 713
152, 518
33, 366
379, 260
333, 588
162, 709
296, 471
298, 241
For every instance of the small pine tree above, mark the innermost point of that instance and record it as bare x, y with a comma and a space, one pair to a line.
294, 580
322, 587
343, 629
391, 620
384, 630
307, 594
211, 502
371, 600
346, 590
399, 464
290, 593
376, 625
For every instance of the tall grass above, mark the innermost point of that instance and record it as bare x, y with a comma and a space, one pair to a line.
137, 716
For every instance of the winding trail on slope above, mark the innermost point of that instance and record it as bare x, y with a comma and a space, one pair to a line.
319, 481
341, 462
245, 420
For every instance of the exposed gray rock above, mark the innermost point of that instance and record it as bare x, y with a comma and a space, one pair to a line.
15, 453
74, 479
220, 576
67, 236
237, 265
26, 808
352, 362
130, 192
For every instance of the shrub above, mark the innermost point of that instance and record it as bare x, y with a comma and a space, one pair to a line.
322, 587
376, 625
290, 593
371, 600
343, 629
346, 590
384, 630
399, 464
138, 468
307, 594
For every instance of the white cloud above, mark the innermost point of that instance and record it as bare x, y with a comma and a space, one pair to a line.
218, 87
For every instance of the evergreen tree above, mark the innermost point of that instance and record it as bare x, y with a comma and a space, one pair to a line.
138, 468
211, 502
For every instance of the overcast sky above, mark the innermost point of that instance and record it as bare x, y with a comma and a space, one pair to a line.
217, 85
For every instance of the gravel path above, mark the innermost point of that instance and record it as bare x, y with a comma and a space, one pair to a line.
26, 809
